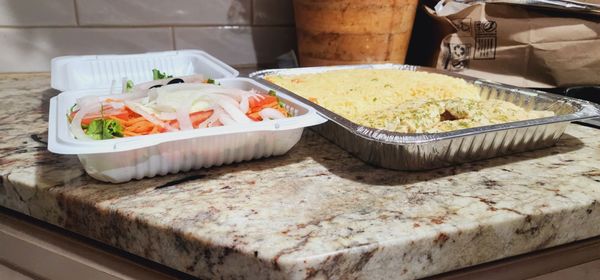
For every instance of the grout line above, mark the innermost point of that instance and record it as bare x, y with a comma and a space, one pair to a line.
145, 26
273, 25
173, 38
76, 7
37, 26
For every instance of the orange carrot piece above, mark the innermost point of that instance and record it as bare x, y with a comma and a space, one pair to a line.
129, 133
134, 121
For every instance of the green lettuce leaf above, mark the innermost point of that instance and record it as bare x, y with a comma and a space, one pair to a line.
129, 86
157, 75
100, 129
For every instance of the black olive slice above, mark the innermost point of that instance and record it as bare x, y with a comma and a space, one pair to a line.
175, 81
155, 86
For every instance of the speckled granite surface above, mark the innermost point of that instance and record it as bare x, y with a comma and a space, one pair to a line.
315, 213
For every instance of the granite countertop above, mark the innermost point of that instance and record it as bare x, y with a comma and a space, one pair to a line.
314, 213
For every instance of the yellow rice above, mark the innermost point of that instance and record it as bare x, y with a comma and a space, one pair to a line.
393, 99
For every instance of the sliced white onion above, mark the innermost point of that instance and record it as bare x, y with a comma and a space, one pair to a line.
214, 98
210, 88
237, 94
258, 97
115, 105
226, 120
76, 123
244, 104
198, 78
229, 105
217, 112
235, 113
215, 124
135, 94
270, 114
87, 101
183, 117
149, 84
137, 109
186, 95
167, 116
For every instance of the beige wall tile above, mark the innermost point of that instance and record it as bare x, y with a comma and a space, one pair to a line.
30, 49
273, 12
156, 12
37, 12
238, 45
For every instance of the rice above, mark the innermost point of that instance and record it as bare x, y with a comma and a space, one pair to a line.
399, 100
353, 93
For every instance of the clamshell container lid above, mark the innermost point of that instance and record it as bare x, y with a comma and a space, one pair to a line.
106, 71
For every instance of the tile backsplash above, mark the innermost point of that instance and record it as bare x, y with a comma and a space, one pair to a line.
239, 32
156, 12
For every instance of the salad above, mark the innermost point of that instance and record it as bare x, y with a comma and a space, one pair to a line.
170, 104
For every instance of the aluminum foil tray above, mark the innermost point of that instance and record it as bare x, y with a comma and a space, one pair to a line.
421, 151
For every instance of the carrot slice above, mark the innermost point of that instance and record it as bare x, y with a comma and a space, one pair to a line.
256, 102
129, 133
199, 117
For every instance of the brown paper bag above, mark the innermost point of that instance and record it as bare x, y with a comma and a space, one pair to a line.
519, 44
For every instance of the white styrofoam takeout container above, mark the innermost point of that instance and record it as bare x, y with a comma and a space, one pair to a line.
99, 71
123, 159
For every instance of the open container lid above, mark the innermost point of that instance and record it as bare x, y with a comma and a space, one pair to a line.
103, 71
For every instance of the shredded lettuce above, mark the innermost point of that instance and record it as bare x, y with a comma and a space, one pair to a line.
128, 86
212, 81
100, 129
157, 75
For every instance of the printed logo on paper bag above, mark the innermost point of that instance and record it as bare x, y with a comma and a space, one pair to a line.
458, 65
460, 51
483, 28
463, 26
459, 57
485, 48
485, 40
